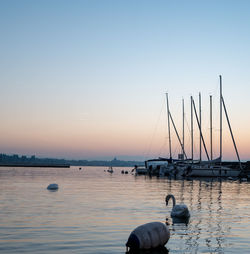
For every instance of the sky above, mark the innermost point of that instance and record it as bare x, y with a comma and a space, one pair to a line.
88, 79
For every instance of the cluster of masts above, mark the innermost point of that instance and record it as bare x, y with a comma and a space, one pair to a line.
198, 119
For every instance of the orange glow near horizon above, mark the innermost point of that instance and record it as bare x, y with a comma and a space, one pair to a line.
99, 141
100, 137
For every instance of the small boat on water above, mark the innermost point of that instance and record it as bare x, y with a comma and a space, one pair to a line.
110, 170
140, 170
158, 167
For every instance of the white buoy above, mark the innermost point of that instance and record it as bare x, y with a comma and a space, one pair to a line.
52, 186
149, 235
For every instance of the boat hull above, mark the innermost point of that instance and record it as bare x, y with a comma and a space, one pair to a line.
141, 171
213, 172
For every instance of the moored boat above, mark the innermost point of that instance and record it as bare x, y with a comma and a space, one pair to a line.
210, 170
110, 170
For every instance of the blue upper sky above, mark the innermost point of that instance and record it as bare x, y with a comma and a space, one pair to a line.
87, 79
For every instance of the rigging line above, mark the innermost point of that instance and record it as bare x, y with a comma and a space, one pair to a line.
162, 148
229, 125
216, 99
206, 121
200, 131
188, 137
175, 150
177, 135
186, 121
146, 153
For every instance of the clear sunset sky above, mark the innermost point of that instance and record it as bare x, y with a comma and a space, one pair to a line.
87, 79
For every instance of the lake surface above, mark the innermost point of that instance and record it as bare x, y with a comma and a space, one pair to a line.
94, 211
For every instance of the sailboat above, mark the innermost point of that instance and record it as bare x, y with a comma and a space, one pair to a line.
196, 168
170, 166
167, 166
110, 170
215, 168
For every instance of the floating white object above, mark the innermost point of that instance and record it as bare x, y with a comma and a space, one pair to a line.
52, 186
180, 211
149, 235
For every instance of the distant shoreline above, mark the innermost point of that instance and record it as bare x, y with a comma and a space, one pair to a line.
16, 160
36, 165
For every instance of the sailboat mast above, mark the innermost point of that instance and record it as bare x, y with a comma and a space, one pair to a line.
192, 130
169, 136
171, 118
211, 129
200, 121
183, 131
197, 119
220, 118
229, 125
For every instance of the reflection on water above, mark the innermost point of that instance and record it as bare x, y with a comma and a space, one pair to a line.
177, 220
159, 250
94, 211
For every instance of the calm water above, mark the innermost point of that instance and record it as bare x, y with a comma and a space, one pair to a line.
94, 211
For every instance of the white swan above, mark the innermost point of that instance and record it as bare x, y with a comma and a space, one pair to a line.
178, 211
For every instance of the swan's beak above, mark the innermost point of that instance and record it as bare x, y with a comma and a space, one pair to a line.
166, 202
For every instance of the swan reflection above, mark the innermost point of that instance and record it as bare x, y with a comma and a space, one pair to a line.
180, 220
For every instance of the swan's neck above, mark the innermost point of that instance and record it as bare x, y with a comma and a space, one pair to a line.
173, 198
